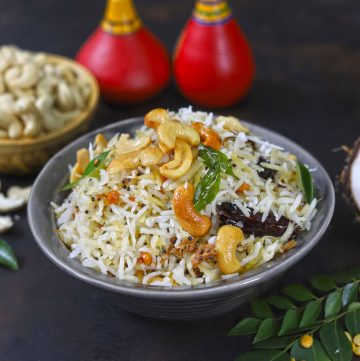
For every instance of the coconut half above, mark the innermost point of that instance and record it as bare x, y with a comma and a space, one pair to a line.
350, 176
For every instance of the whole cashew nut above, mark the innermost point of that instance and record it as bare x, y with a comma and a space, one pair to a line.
82, 160
100, 143
181, 163
64, 97
232, 124
53, 119
11, 123
142, 157
30, 116
127, 145
155, 117
169, 130
188, 217
22, 77
208, 136
228, 238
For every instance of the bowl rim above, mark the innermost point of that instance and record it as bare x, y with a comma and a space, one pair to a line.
182, 292
71, 125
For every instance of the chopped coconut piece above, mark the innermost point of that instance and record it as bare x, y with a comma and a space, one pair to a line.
6, 223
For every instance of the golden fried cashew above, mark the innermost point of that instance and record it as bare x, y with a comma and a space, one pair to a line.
232, 124
155, 117
188, 217
208, 136
228, 238
181, 163
82, 160
100, 143
169, 130
143, 157
128, 145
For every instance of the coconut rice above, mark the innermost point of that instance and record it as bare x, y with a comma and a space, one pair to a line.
113, 238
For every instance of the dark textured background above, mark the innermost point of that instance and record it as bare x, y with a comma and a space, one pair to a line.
307, 87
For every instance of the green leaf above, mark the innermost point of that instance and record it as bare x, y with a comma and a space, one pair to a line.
91, 170
246, 326
274, 343
306, 181
335, 342
352, 321
354, 306
343, 277
323, 283
290, 321
314, 353
280, 302
311, 313
208, 188
332, 304
264, 355
266, 329
7, 256
350, 293
299, 293
261, 309
355, 272
209, 185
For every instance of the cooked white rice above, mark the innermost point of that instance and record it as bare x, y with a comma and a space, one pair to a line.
110, 238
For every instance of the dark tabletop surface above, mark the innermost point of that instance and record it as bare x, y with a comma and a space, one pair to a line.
307, 87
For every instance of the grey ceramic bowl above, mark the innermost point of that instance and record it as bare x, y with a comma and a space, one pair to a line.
159, 302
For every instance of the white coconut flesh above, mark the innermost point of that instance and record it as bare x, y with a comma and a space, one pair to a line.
355, 179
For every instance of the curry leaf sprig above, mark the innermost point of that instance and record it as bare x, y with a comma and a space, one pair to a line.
209, 186
91, 170
306, 181
305, 323
7, 256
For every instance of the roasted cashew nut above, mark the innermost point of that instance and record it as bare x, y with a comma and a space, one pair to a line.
127, 145
188, 217
233, 124
82, 160
155, 117
143, 157
208, 136
228, 238
100, 143
169, 130
181, 163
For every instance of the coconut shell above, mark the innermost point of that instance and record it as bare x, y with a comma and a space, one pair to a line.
346, 177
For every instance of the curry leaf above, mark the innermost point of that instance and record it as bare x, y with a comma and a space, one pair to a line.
343, 277
280, 302
335, 342
7, 256
323, 283
306, 181
261, 309
332, 304
264, 355
246, 326
274, 343
350, 293
91, 170
352, 321
299, 293
266, 329
311, 313
290, 321
314, 353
